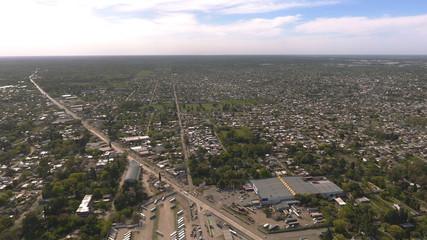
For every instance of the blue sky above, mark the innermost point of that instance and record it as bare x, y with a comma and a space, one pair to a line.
159, 27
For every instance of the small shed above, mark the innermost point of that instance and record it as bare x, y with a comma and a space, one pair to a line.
363, 200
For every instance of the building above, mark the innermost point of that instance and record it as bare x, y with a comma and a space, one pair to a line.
179, 168
84, 208
363, 200
136, 139
141, 151
276, 190
133, 173
313, 185
271, 191
340, 201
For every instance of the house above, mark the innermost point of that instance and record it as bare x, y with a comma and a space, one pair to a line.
363, 200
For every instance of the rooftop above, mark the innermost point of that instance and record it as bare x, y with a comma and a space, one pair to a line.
326, 186
300, 186
134, 171
84, 205
136, 138
271, 188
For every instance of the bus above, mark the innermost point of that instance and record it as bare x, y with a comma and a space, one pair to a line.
290, 220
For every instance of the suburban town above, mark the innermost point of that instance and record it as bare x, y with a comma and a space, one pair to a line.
199, 147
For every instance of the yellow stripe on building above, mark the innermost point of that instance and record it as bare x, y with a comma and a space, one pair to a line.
286, 185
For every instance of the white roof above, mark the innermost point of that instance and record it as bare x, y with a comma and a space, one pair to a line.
84, 205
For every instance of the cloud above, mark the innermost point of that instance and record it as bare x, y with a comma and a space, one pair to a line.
71, 28
365, 26
65, 27
176, 25
208, 6
271, 6
262, 27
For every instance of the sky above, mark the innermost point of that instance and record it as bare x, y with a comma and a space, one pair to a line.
212, 27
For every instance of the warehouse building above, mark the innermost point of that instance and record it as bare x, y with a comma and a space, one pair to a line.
133, 173
271, 191
276, 190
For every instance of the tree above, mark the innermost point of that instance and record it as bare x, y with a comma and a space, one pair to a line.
340, 226
264, 173
93, 173
31, 226
197, 181
9, 235
5, 223
396, 231
97, 193
340, 237
41, 171
328, 235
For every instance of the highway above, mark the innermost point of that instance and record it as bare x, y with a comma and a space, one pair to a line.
172, 183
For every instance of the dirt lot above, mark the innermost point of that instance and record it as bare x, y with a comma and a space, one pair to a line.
166, 219
145, 185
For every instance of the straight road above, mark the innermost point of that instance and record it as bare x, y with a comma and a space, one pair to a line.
182, 134
152, 114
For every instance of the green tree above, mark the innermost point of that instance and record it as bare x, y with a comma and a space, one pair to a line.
41, 171
31, 226
97, 193
340, 226
328, 235
339, 236
264, 173
5, 223
396, 231
9, 235
197, 181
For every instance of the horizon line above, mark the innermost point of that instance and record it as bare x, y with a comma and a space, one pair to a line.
201, 55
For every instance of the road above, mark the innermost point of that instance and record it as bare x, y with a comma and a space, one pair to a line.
173, 184
182, 133
152, 114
